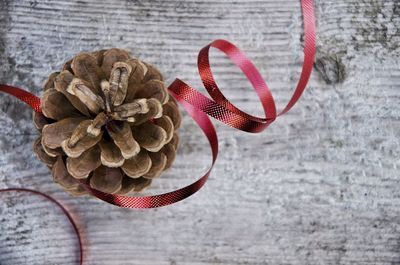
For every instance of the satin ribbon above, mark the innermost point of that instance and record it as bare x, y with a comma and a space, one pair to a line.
199, 107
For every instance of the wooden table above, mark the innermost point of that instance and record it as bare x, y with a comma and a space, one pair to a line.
320, 186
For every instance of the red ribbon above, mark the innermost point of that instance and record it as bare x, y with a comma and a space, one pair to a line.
199, 107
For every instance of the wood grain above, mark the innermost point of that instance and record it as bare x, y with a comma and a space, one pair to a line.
320, 186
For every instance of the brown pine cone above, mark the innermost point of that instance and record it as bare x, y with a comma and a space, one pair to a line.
107, 119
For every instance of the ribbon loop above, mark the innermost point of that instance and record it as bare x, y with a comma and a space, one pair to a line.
220, 107
248, 69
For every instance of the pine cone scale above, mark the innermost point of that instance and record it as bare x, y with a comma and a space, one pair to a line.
61, 83
138, 165
85, 67
82, 166
111, 155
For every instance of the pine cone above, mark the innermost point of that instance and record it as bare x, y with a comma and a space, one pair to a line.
108, 120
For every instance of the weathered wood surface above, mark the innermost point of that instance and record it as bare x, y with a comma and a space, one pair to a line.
320, 186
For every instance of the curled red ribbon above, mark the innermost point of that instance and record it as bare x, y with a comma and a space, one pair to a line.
199, 107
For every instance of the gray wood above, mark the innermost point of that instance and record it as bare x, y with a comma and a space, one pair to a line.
320, 186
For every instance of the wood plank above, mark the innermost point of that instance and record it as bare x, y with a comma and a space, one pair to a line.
320, 186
